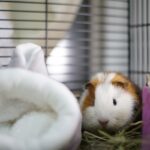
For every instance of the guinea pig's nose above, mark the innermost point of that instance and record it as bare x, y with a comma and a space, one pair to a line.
103, 123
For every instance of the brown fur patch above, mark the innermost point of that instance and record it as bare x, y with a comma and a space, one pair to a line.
125, 83
90, 97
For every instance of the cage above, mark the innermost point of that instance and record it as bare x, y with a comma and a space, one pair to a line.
80, 38
86, 36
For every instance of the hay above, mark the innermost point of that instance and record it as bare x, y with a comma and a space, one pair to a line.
128, 138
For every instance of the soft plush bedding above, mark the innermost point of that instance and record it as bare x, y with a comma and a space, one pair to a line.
37, 113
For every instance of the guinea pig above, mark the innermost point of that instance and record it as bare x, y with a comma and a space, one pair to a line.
108, 102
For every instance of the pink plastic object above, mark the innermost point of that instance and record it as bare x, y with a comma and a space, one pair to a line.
146, 118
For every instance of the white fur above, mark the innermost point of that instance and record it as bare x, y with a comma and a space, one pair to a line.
36, 113
104, 77
104, 109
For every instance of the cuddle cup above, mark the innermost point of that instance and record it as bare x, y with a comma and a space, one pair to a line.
37, 113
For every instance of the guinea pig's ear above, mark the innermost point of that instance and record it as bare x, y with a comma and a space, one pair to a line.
91, 88
122, 84
120, 81
92, 84
88, 85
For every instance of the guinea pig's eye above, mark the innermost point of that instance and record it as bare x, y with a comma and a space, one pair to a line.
114, 102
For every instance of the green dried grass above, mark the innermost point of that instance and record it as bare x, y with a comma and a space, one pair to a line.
128, 138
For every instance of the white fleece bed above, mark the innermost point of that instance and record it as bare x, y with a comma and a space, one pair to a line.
37, 113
